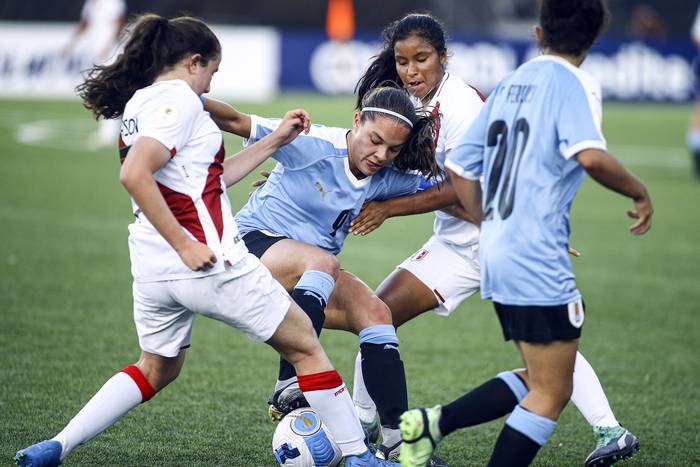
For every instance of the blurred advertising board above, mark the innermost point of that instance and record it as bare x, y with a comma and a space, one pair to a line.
627, 70
33, 63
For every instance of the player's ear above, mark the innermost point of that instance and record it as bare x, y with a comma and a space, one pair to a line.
356, 121
193, 61
443, 57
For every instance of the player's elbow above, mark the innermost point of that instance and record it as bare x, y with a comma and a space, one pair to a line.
128, 178
592, 160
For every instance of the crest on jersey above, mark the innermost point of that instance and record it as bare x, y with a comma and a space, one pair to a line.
167, 114
419, 255
576, 314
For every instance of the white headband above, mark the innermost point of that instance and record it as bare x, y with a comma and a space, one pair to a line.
388, 112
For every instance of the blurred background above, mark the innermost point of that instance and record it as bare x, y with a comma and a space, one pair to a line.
273, 46
65, 301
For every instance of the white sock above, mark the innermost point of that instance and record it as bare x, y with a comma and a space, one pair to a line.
363, 402
331, 400
121, 393
589, 397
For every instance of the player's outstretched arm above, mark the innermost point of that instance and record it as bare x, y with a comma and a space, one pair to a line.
145, 157
610, 173
227, 118
469, 194
374, 213
241, 164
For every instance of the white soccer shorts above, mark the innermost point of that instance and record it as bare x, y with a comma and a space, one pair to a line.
452, 274
244, 296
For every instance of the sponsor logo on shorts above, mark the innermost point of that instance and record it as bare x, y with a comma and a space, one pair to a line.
576, 314
419, 255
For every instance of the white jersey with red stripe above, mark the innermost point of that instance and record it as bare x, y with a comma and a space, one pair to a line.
191, 181
457, 104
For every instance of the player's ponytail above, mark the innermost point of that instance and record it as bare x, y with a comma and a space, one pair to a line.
154, 45
418, 152
383, 66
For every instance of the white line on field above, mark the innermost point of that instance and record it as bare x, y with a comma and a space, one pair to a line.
75, 134
652, 156
70, 134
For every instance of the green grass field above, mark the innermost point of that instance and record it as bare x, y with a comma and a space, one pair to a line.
65, 304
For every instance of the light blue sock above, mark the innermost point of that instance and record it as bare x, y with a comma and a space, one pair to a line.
535, 427
514, 383
318, 282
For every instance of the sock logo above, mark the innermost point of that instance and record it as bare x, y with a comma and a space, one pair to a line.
339, 391
316, 296
391, 347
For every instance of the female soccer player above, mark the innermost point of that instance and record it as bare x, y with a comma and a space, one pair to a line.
186, 254
533, 141
445, 270
297, 222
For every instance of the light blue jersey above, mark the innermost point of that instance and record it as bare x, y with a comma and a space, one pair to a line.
312, 195
523, 143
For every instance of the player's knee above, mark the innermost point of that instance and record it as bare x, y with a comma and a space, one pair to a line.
376, 312
304, 348
160, 371
324, 262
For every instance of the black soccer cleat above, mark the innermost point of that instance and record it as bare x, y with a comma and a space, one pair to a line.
614, 444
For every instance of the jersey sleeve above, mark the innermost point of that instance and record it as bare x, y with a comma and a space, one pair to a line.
397, 183
466, 159
460, 117
301, 152
579, 118
170, 118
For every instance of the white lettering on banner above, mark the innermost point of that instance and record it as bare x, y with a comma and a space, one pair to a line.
637, 71
31, 64
481, 64
337, 66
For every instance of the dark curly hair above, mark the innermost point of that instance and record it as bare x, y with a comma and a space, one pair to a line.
383, 66
155, 44
418, 152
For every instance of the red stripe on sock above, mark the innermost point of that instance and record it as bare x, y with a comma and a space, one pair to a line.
145, 387
317, 381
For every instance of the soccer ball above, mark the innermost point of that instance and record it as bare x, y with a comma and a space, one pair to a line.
302, 440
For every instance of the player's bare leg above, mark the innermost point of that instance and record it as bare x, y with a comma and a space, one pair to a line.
308, 273
384, 377
407, 297
297, 342
124, 391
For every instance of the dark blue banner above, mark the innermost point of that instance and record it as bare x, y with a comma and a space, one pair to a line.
626, 70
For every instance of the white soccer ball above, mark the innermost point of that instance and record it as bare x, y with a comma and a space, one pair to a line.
302, 440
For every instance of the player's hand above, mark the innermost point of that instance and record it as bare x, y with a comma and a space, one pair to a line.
372, 215
294, 122
643, 211
259, 182
574, 252
197, 256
